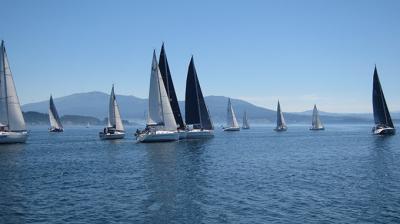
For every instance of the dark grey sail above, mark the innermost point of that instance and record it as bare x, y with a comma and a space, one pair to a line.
381, 111
55, 121
196, 112
169, 86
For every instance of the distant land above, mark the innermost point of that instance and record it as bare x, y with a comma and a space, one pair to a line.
95, 105
36, 118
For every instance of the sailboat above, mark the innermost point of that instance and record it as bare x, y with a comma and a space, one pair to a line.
245, 121
316, 121
197, 116
12, 123
115, 128
169, 87
231, 122
161, 125
383, 121
280, 121
55, 122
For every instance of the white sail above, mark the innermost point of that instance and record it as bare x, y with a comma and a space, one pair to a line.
55, 122
231, 117
245, 121
160, 113
316, 121
10, 113
280, 122
114, 116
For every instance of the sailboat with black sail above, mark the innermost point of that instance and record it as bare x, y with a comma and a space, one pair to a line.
231, 121
383, 121
169, 87
197, 116
161, 125
280, 120
115, 128
55, 122
12, 123
316, 121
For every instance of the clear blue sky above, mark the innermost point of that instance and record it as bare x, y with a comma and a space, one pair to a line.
302, 52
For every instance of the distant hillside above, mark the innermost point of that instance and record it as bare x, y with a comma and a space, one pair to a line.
36, 118
95, 104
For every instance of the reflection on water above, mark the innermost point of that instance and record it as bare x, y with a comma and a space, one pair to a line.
175, 179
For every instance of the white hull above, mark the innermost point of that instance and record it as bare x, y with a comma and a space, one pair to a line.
232, 129
13, 137
383, 131
158, 136
279, 129
109, 136
199, 134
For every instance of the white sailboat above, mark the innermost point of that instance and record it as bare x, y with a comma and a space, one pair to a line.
115, 128
12, 123
280, 121
231, 122
161, 125
197, 116
316, 121
55, 122
245, 121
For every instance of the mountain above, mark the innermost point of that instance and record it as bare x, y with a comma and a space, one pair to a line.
133, 108
36, 118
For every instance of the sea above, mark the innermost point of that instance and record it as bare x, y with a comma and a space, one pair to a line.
343, 174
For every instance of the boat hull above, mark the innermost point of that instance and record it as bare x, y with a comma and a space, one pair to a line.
109, 136
199, 134
56, 130
232, 129
383, 131
13, 137
245, 128
164, 136
182, 134
317, 129
280, 129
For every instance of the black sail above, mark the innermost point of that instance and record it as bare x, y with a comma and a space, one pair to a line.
381, 111
196, 112
169, 86
54, 112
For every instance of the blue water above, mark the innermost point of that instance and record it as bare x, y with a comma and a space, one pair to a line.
340, 175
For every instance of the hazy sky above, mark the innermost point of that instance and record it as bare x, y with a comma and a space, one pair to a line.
302, 52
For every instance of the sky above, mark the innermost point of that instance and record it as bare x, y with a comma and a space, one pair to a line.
300, 52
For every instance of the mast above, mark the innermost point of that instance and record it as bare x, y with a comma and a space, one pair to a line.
3, 52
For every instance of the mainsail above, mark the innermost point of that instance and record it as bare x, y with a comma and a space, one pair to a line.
10, 109
160, 113
316, 121
55, 121
231, 117
381, 111
169, 86
114, 116
245, 120
196, 112
280, 121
